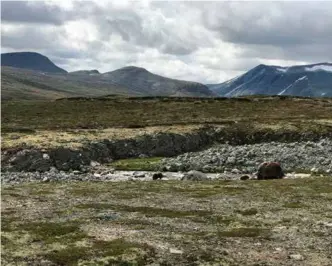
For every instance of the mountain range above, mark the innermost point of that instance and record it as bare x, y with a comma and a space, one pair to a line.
28, 75
307, 80
36, 77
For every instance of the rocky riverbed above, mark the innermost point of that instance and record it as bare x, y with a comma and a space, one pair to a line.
12, 178
222, 161
305, 156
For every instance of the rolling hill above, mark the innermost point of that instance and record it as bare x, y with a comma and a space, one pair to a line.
34, 81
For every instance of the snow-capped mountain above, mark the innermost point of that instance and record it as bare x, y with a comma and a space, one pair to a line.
307, 80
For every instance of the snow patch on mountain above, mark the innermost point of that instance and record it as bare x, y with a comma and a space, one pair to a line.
291, 85
282, 69
327, 68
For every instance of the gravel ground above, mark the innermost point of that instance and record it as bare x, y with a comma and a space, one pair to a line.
13, 178
306, 156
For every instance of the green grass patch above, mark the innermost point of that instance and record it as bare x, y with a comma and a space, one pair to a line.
137, 164
53, 232
115, 252
247, 212
294, 205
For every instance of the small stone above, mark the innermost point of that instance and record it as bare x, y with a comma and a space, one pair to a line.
46, 156
296, 256
314, 170
94, 164
231, 160
76, 172
53, 170
138, 174
46, 179
235, 171
96, 175
175, 251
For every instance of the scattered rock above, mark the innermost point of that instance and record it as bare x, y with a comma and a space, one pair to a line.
235, 171
296, 257
94, 164
138, 174
46, 179
175, 251
194, 176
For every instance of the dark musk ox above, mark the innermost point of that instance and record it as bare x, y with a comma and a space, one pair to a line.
270, 170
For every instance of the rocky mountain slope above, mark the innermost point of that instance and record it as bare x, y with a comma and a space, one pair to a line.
30, 60
34, 76
307, 80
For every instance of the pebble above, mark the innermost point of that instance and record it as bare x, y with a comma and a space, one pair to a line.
296, 256
175, 251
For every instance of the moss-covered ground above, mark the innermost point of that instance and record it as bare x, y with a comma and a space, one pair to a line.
168, 223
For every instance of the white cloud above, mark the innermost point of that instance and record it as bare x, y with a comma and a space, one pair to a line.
201, 41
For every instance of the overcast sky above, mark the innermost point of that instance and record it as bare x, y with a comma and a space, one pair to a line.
208, 42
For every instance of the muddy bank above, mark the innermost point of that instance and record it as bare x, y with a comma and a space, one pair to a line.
161, 144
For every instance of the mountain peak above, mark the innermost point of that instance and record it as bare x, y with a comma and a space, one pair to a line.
133, 68
87, 72
311, 80
30, 60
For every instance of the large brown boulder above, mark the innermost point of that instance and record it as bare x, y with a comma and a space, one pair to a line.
270, 170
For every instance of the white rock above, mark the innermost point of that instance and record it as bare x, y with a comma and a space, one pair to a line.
314, 170
296, 256
175, 251
94, 164
46, 156
46, 179
236, 171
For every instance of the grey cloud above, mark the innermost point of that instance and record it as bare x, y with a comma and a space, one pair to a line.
29, 12
39, 12
313, 53
271, 23
205, 38
28, 38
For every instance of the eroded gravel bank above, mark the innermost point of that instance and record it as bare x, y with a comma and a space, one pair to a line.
304, 156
